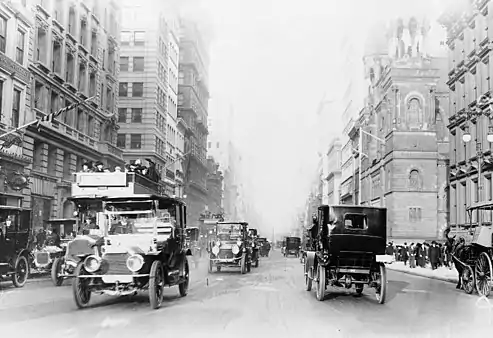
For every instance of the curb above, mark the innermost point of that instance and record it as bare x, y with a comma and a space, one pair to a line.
443, 279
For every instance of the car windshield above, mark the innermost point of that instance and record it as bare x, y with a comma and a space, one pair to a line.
131, 217
228, 231
88, 212
9, 220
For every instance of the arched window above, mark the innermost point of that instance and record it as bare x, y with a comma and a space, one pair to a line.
414, 179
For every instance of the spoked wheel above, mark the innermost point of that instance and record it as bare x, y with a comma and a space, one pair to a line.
211, 266
483, 272
21, 272
183, 287
381, 284
321, 283
80, 287
308, 278
467, 279
56, 271
156, 284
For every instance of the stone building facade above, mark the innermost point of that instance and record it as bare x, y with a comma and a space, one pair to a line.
72, 54
469, 30
332, 173
406, 108
214, 187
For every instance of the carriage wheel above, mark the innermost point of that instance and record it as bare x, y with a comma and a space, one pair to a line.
381, 287
467, 278
483, 272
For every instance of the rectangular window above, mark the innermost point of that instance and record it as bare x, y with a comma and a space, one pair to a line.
124, 63
123, 89
16, 108
137, 115
122, 115
120, 141
3, 34
414, 215
138, 89
19, 52
125, 38
1, 95
355, 221
139, 38
135, 141
138, 64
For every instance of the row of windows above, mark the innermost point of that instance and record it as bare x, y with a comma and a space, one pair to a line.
20, 41
161, 122
135, 141
137, 37
209, 145
137, 64
161, 72
160, 147
161, 97
137, 89
135, 117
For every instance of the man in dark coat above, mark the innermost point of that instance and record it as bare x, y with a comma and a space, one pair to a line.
404, 253
434, 254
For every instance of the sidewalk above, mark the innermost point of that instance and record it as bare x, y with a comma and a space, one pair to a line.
442, 273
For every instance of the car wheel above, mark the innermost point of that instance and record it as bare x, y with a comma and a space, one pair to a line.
80, 287
56, 270
183, 287
21, 272
156, 284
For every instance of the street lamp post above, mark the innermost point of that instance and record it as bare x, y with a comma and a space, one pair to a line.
466, 137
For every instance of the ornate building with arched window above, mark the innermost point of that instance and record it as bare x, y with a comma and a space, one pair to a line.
404, 133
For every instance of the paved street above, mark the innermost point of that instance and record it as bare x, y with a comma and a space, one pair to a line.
270, 301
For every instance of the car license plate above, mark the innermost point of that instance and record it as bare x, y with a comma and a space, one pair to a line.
118, 278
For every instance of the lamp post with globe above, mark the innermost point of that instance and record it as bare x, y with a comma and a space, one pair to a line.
466, 137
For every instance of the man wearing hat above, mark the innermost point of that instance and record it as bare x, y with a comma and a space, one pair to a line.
434, 253
99, 167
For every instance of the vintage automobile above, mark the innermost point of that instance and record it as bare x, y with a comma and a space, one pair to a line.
350, 250
143, 249
76, 250
253, 238
15, 227
230, 247
41, 259
264, 247
293, 246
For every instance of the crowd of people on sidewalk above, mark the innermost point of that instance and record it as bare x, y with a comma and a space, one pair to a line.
420, 254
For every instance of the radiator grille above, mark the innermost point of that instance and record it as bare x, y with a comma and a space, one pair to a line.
225, 254
42, 258
117, 263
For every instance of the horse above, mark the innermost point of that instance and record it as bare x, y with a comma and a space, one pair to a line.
459, 252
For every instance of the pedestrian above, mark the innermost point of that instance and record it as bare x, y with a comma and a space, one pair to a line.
420, 255
390, 249
434, 254
404, 253
412, 256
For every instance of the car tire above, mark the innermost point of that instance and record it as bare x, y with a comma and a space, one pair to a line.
156, 285
56, 269
21, 272
183, 287
80, 289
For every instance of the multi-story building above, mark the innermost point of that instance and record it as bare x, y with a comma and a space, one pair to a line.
16, 51
71, 53
147, 112
470, 65
403, 130
214, 187
332, 173
352, 102
193, 97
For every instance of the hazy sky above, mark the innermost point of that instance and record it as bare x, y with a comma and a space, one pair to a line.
273, 60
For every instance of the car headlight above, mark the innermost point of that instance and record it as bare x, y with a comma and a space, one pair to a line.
215, 250
235, 248
238, 243
135, 263
92, 263
218, 244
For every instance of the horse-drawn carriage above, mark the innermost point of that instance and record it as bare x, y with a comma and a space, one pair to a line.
349, 250
474, 260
